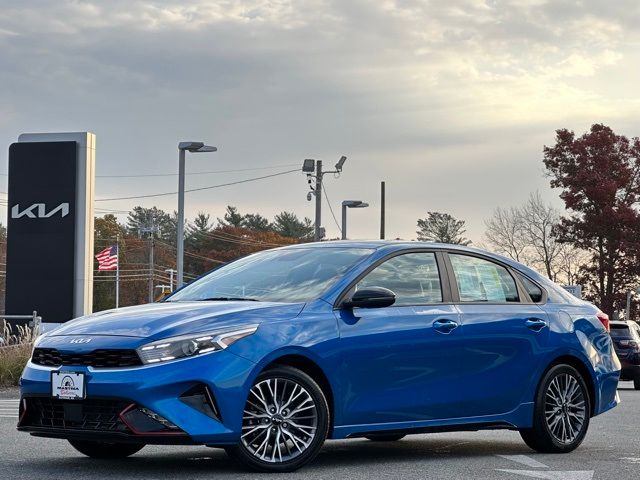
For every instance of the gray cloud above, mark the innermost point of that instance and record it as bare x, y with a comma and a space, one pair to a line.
450, 102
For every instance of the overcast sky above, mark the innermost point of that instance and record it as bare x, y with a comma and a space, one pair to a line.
449, 101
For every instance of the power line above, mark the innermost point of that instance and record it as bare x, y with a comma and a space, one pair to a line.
237, 240
199, 173
331, 208
190, 173
197, 189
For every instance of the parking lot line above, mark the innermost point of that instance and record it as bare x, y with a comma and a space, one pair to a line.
570, 475
524, 460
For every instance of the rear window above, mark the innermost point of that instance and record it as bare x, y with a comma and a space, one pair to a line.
620, 331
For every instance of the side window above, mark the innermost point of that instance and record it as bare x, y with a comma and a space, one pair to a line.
413, 277
534, 291
483, 281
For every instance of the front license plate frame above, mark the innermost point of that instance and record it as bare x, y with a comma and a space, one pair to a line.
68, 385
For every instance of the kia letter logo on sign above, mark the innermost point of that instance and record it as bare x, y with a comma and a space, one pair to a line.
39, 210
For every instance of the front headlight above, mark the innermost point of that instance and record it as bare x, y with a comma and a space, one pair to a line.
190, 345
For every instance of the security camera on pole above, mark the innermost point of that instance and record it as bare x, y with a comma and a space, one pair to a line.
309, 166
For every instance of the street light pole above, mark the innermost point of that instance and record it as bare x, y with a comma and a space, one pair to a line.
382, 209
344, 221
349, 204
180, 239
183, 147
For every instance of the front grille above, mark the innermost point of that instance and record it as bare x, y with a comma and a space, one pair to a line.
92, 415
103, 358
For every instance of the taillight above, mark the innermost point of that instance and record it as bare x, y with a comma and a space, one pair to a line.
604, 319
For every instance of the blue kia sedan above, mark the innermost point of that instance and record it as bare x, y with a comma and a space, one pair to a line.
270, 355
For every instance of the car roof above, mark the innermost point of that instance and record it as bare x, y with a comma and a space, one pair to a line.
395, 245
620, 323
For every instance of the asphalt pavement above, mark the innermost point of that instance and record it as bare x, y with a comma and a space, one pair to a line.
610, 451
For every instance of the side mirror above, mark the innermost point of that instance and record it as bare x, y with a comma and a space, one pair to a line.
371, 297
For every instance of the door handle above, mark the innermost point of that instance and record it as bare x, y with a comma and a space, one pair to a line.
444, 326
535, 324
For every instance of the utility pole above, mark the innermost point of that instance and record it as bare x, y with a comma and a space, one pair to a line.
311, 166
316, 234
382, 209
151, 231
151, 265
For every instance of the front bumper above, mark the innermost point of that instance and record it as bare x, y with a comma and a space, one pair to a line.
154, 388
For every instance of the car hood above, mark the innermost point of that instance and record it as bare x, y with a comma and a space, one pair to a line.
168, 319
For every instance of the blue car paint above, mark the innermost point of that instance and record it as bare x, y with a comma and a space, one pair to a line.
386, 369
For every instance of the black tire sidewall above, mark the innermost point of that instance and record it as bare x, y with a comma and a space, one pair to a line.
241, 454
540, 423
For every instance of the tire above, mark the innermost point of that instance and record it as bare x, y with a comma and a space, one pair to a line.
568, 418
381, 437
276, 438
106, 450
636, 383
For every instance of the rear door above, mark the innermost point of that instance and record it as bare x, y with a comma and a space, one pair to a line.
505, 335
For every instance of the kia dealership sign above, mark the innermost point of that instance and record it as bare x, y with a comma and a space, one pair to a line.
39, 210
50, 226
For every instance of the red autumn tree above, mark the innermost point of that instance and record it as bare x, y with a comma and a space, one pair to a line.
599, 174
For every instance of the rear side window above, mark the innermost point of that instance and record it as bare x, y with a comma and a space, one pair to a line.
480, 280
534, 291
413, 277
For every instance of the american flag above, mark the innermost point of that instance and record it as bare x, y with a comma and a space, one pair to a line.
108, 259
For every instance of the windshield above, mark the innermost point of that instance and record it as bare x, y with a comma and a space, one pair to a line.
289, 275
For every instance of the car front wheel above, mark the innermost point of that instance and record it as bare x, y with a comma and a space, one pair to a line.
284, 424
561, 412
636, 384
106, 450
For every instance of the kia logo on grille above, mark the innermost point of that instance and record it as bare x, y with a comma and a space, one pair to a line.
80, 340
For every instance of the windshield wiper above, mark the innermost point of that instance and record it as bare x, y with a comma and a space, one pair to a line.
228, 299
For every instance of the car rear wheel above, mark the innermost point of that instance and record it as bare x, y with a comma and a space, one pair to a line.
636, 384
561, 412
381, 437
285, 422
106, 450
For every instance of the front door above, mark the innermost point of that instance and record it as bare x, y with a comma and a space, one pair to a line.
396, 362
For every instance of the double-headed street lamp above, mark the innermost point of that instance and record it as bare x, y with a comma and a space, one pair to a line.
349, 204
194, 147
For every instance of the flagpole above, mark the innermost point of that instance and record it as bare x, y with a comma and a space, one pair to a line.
118, 270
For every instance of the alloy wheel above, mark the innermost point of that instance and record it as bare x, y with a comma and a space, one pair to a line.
280, 420
565, 408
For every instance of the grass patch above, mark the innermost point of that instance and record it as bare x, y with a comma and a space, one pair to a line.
14, 352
